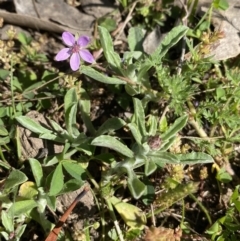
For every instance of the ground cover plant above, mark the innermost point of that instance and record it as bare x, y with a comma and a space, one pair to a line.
152, 138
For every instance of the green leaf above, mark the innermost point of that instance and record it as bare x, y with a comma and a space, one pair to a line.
221, 4
112, 143
70, 109
112, 57
195, 158
69, 99
70, 118
57, 182
74, 169
71, 185
110, 125
20, 230
150, 167
133, 216
139, 116
223, 176
4, 140
15, 178
136, 187
143, 73
105, 157
36, 170
103, 78
234, 200
175, 128
108, 23
7, 221
52, 137
221, 94
22, 207
215, 229
4, 164
132, 89
153, 124
33, 126
3, 131
169, 41
57, 127
135, 132
149, 195
85, 107
166, 145
4, 74
162, 158
135, 39
23, 39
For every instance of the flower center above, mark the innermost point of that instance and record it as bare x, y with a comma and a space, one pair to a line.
75, 48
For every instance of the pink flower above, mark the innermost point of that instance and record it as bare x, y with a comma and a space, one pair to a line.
76, 50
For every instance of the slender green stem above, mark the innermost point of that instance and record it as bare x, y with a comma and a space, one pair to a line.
92, 180
183, 212
12, 93
210, 17
2, 156
202, 207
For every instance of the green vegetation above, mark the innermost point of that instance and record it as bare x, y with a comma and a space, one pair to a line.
175, 129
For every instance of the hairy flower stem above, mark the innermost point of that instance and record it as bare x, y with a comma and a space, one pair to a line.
194, 123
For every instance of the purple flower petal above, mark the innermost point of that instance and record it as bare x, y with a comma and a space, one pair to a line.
86, 56
83, 41
75, 61
68, 38
63, 54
